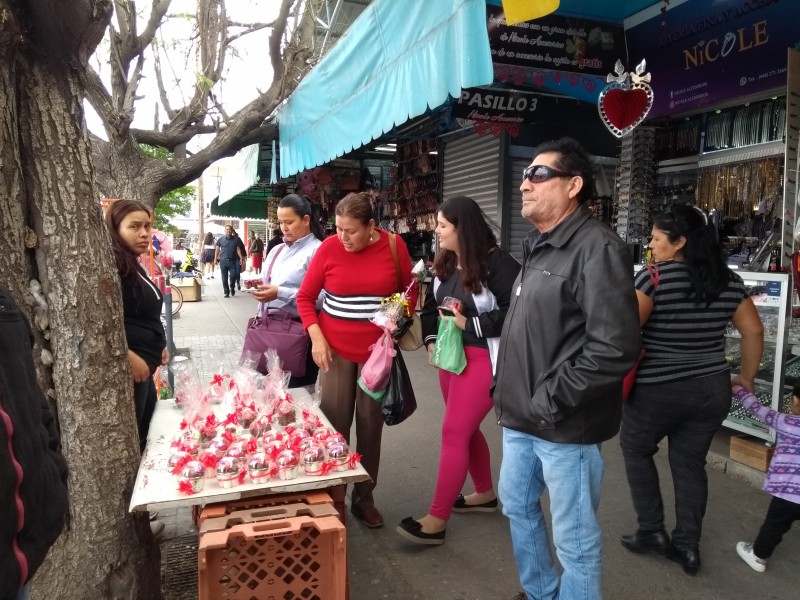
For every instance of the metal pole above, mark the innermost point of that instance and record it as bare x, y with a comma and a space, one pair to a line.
168, 331
201, 216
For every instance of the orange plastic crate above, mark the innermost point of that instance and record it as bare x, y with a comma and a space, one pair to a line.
297, 557
213, 511
268, 513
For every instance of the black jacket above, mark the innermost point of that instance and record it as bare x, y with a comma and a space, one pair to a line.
570, 336
33, 473
141, 305
502, 271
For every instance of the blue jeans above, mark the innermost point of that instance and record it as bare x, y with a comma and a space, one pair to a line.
572, 473
22, 594
229, 270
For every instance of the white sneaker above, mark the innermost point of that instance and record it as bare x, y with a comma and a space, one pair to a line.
745, 552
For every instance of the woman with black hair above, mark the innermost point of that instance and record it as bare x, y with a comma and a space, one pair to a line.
471, 268
286, 265
683, 384
129, 224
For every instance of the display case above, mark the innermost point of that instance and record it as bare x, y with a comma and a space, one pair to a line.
772, 294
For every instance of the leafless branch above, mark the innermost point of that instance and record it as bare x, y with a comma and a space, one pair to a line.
132, 86
162, 90
250, 29
98, 95
169, 140
157, 14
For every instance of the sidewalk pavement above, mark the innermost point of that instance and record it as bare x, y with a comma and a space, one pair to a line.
476, 562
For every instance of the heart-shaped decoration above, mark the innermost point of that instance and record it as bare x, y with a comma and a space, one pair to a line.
624, 105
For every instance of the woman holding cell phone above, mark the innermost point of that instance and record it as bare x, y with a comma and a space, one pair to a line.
472, 283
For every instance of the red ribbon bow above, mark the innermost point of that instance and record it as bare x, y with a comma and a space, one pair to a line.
184, 487
354, 459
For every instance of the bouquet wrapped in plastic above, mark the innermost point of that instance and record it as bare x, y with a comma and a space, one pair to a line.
389, 317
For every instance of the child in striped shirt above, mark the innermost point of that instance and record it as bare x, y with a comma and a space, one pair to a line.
783, 478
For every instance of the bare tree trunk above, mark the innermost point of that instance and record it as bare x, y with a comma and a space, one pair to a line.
53, 232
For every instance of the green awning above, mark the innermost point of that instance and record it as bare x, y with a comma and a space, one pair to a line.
250, 204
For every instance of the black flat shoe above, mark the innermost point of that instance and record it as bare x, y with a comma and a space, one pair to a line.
688, 559
647, 541
411, 529
461, 506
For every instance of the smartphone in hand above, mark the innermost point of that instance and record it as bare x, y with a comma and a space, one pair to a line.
449, 304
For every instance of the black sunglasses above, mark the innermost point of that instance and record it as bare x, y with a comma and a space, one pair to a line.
541, 173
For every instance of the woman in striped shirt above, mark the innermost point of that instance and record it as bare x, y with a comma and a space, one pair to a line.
356, 270
683, 385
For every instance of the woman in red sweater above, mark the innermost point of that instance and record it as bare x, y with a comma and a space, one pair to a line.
356, 270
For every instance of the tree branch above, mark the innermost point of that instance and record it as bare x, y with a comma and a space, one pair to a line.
132, 86
250, 29
157, 13
168, 139
98, 96
162, 90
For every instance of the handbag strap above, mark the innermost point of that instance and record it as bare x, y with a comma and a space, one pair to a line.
393, 248
269, 275
274, 258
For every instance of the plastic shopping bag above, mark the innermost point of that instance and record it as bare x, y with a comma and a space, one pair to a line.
448, 352
399, 401
375, 373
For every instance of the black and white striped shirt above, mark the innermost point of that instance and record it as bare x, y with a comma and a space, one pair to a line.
684, 340
351, 308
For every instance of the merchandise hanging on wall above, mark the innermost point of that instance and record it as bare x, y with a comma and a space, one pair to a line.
625, 102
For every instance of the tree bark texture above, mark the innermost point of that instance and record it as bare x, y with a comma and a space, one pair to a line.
53, 233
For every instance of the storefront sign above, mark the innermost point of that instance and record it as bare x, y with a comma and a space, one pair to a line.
555, 42
703, 54
502, 106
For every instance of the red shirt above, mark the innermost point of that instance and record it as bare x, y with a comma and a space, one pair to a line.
354, 283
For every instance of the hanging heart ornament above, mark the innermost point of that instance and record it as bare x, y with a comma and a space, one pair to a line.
626, 100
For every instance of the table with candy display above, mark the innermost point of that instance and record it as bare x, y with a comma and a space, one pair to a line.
160, 485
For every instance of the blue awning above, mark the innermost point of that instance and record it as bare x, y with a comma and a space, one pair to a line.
396, 60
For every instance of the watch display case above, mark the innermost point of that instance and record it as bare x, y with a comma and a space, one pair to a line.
779, 369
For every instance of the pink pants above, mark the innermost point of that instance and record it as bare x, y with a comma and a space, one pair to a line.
464, 449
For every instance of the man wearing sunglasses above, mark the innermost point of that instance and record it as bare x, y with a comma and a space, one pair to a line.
570, 337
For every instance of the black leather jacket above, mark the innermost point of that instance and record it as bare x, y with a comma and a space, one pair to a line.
33, 474
570, 335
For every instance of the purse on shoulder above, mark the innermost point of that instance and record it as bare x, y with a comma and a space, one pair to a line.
279, 331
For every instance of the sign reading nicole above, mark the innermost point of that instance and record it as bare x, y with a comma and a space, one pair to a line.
703, 54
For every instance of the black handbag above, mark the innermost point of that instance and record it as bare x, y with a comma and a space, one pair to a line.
399, 401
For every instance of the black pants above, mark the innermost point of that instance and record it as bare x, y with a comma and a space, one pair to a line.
312, 370
229, 269
145, 397
780, 516
688, 413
